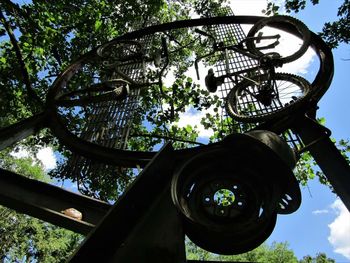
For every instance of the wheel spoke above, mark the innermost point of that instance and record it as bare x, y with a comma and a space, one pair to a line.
250, 104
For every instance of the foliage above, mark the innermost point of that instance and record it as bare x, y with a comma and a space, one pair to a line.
23, 238
334, 32
320, 258
275, 253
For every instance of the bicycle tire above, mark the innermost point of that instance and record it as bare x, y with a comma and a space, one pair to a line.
103, 49
297, 28
251, 110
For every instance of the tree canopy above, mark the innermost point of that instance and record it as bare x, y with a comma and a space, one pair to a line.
277, 252
333, 32
41, 39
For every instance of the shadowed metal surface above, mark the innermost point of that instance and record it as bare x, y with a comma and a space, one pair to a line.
46, 202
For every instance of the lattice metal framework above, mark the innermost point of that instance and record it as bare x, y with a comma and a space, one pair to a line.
109, 124
231, 34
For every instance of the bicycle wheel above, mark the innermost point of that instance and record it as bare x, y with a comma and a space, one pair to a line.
288, 47
245, 103
119, 52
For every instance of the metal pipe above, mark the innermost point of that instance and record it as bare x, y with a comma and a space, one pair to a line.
328, 157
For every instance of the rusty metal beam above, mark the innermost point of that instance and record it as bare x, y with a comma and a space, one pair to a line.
158, 237
21, 130
124, 225
327, 156
45, 201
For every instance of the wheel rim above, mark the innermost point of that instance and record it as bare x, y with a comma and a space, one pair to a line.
247, 102
288, 52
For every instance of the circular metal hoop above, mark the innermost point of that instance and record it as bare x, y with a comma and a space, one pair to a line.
299, 27
133, 158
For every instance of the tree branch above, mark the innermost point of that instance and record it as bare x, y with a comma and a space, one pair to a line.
19, 56
13, 9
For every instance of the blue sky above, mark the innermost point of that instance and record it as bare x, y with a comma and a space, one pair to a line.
307, 230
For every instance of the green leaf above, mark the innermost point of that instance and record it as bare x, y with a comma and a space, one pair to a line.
188, 128
98, 24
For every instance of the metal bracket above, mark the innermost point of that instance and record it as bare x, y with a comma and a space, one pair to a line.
46, 202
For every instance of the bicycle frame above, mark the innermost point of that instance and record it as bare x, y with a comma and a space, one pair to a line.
267, 63
116, 88
239, 48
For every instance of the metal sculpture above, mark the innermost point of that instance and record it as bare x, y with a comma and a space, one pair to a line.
122, 156
222, 203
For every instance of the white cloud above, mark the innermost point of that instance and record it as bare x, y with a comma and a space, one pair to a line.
287, 41
253, 7
301, 65
192, 117
170, 78
319, 212
339, 235
47, 157
248, 7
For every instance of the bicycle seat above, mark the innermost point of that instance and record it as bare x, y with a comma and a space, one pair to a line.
212, 82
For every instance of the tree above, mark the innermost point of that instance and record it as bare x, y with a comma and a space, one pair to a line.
39, 40
50, 36
333, 33
28, 239
320, 258
23, 238
42, 39
275, 253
